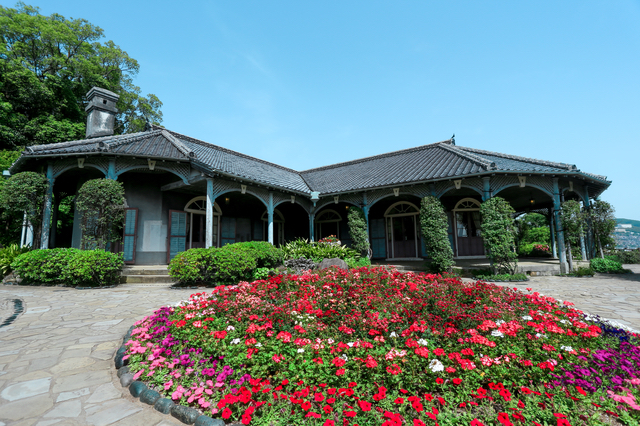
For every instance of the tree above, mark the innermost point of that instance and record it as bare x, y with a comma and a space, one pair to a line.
499, 235
572, 219
358, 230
47, 65
434, 224
602, 222
101, 203
23, 194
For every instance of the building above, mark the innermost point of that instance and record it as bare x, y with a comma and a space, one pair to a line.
182, 192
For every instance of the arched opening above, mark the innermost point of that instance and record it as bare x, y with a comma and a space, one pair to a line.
196, 226
296, 221
468, 236
402, 224
278, 227
327, 223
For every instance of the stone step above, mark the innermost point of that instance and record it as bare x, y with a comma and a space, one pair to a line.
145, 270
144, 279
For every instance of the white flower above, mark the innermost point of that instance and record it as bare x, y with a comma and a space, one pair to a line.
344, 356
300, 350
350, 344
566, 348
436, 365
330, 341
258, 345
497, 333
538, 335
527, 318
564, 321
235, 341
499, 322
231, 328
393, 334
422, 342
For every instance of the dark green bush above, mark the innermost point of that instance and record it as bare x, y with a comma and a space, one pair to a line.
358, 230
606, 265
213, 266
503, 277
433, 227
69, 266
626, 257
582, 272
265, 254
357, 263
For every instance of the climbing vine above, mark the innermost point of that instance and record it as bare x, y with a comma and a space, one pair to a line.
434, 224
101, 203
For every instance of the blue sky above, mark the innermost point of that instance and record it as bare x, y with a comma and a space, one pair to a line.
306, 84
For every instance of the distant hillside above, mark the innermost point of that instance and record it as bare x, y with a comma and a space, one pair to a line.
635, 224
630, 238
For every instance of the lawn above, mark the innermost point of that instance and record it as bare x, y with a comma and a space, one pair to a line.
377, 347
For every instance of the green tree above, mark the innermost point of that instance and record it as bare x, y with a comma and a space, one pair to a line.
358, 230
602, 223
23, 193
572, 219
434, 224
47, 65
499, 235
101, 203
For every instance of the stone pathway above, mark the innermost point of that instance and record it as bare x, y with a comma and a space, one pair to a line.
56, 354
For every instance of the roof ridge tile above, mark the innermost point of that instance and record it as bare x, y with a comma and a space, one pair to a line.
485, 163
566, 166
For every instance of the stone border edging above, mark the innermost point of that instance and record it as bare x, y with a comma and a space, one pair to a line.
138, 389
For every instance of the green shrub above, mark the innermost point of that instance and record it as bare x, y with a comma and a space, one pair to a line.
433, 226
358, 230
357, 263
541, 234
498, 234
265, 254
606, 265
626, 257
213, 266
69, 266
8, 255
582, 272
316, 251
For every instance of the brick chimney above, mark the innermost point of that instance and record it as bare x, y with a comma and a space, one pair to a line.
101, 112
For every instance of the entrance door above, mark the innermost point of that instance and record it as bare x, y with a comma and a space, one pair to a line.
404, 236
468, 235
177, 233
130, 233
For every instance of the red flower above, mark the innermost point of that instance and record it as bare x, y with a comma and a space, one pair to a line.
581, 391
457, 381
476, 422
563, 422
340, 372
246, 419
364, 405
327, 409
418, 422
399, 400
329, 423
417, 406
505, 394
352, 384
306, 405
338, 362
219, 334
349, 413
318, 397
504, 419
394, 369
314, 415
226, 413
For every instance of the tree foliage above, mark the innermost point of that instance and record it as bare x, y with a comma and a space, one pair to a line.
24, 193
499, 235
602, 222
101, 203
47, 65
358, 230
572, 219
434, 225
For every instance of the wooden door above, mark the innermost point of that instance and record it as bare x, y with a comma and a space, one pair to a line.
177, 240
468, 236
404, 236
130, 235
378, 238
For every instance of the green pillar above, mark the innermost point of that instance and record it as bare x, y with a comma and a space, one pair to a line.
564, 267
486, 188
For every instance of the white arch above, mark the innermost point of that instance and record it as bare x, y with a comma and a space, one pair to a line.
198, 205
467, 204
406, 212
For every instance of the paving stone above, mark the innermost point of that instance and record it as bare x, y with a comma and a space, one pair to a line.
64, 396
70, 364
81, 380
104, 393
27, 408
66, 409
48, 422
113, 414
26, 389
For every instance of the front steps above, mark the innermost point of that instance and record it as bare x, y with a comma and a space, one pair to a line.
146, 275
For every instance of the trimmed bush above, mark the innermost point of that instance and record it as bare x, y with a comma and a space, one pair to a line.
357, 263
498, 234
213, 266
302, 248
358, 230
265, 254
534, 250
433, 226
68, 266
606, 265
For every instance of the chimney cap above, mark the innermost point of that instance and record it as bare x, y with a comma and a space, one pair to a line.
101, 98
101, 112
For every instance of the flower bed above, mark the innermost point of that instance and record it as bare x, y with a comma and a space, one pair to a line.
374, 347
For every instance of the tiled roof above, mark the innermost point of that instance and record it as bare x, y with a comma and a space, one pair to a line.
441, 160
